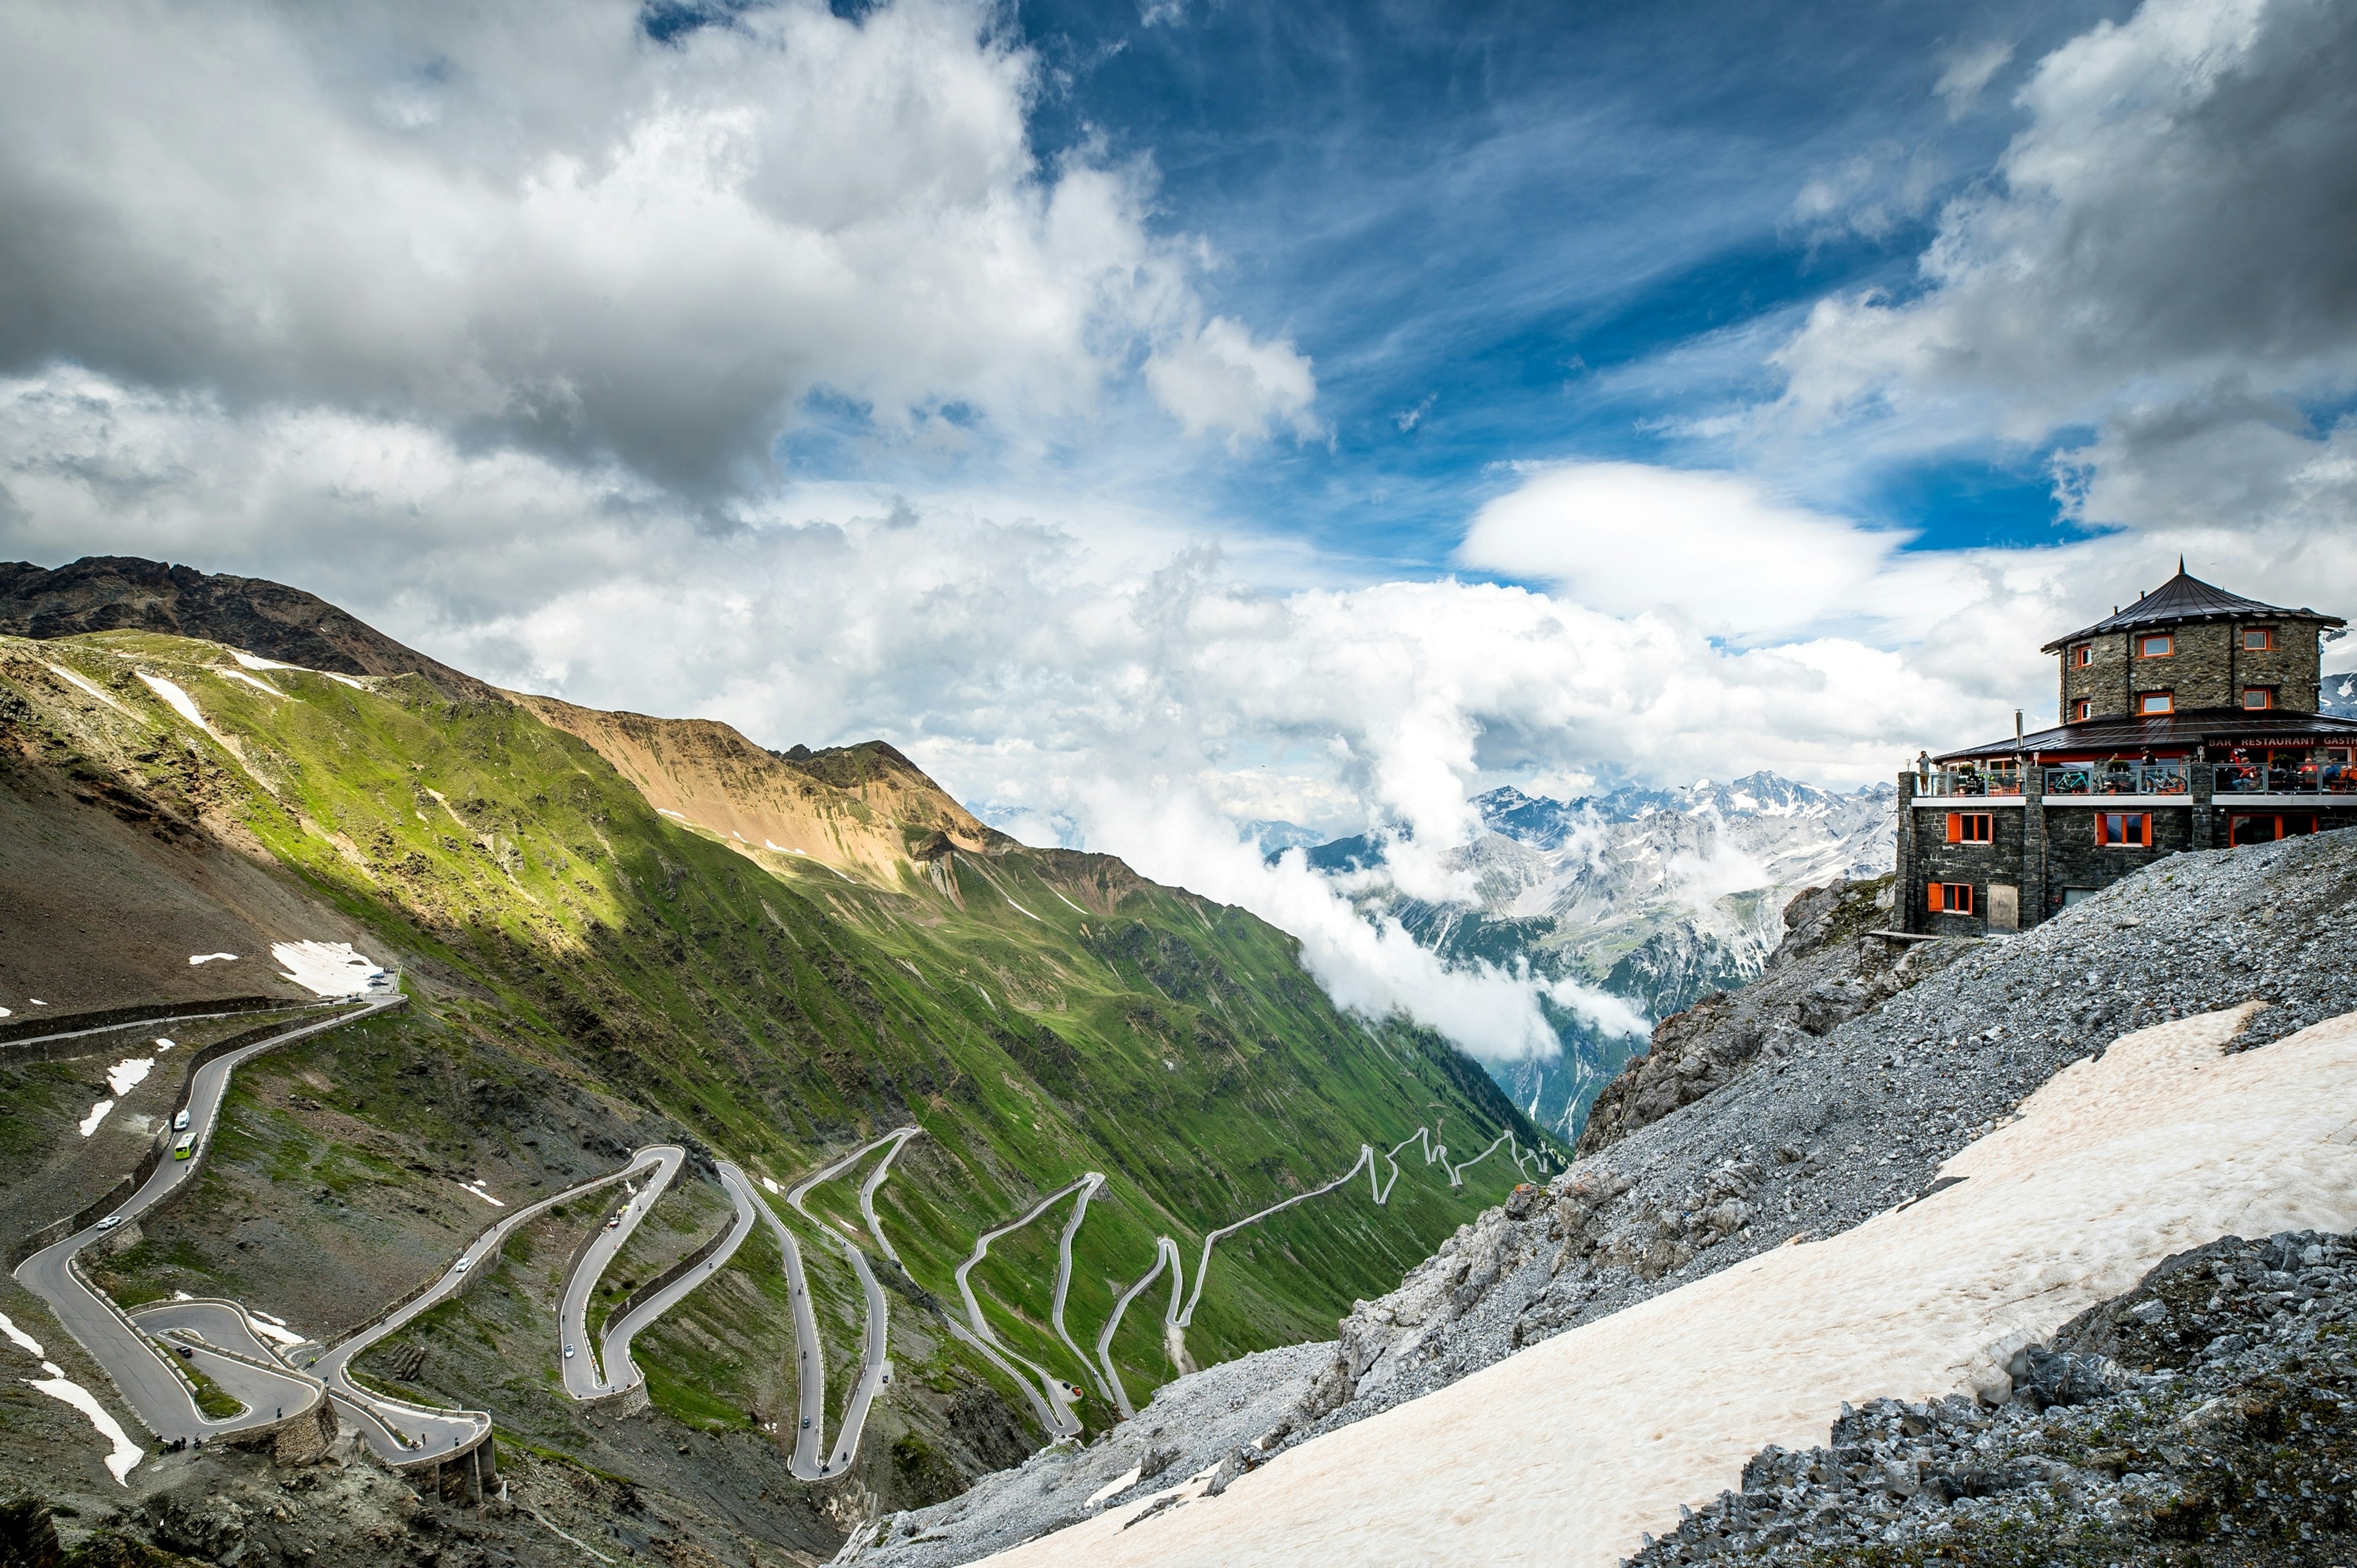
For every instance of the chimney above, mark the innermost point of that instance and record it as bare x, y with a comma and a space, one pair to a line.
2016, 729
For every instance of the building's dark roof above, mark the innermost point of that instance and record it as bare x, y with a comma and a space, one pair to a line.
2219, 729
2184, 598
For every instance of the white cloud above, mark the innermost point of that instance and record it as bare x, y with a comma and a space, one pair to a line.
2175, 219
1970, 67
1713, 548
538, 226
1221, 379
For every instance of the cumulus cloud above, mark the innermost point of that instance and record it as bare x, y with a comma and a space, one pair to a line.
2161, 257
1219, 378
539, 227
1630, 538
2177, 216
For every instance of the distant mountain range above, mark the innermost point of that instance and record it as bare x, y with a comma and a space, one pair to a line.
1656, 896
2338, 695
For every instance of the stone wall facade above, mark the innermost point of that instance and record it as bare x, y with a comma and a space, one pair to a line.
2046, 850
1981, 866
2208, 668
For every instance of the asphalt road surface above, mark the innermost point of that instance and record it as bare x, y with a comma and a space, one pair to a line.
809, 1463
582, 1378
402, 1431
1058, 1394
614, 1343
154, 1393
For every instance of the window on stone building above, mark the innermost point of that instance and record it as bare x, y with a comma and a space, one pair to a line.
2258, 640
2124, 829
1949, 898
2156, 701
2266, 829
2258, 696
1969, 827
2082, 710
2084, 655
2160, 645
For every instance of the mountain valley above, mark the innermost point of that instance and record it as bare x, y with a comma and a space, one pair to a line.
1656, 897
606, 933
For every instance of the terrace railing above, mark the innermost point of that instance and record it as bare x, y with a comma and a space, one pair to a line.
2120, 779
1950, 784
2282, 779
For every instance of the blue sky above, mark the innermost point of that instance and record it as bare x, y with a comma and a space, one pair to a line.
1157, 418
1506, 221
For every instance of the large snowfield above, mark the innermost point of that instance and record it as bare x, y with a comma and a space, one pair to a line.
1567, 1453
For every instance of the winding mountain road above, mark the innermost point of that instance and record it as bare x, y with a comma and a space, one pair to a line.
156, 1393
398, 1428
614, 1339
875, 1369
583, 1379
1058, 1393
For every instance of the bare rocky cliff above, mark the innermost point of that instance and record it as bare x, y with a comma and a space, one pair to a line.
1826, 972
126, 593
862, 806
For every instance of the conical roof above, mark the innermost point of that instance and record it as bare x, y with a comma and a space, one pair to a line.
2182, 598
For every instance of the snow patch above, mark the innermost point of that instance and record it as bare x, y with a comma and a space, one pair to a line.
19, 1338
129, 1074
475, 1190
97, 1114
58, 1386
89, 689
256, 661
774, 845
1120, 1483
275, 1333
163, 1045
198, 958
325, 969
772, 1186
178, 701
258, 684
1020, 909
355, 683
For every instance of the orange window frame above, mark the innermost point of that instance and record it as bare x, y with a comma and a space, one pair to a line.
2267, 639
2082, 710
2123, 830
2084, 655
2266, 695
1949, 898
2144, 699
2167, 640
1971, 827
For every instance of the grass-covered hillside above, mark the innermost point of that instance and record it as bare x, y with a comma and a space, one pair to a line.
589, 970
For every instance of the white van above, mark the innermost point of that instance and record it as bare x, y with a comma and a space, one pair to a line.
180, 1122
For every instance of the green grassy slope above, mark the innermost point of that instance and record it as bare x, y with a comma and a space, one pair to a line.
1038, 1014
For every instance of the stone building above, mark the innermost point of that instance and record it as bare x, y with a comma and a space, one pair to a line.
2188, 720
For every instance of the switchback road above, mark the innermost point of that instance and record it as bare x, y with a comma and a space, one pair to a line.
157, 1394
403, 1432
583, 1379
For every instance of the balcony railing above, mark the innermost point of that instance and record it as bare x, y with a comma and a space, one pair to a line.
1960, 784
2120, 779
2332, 777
